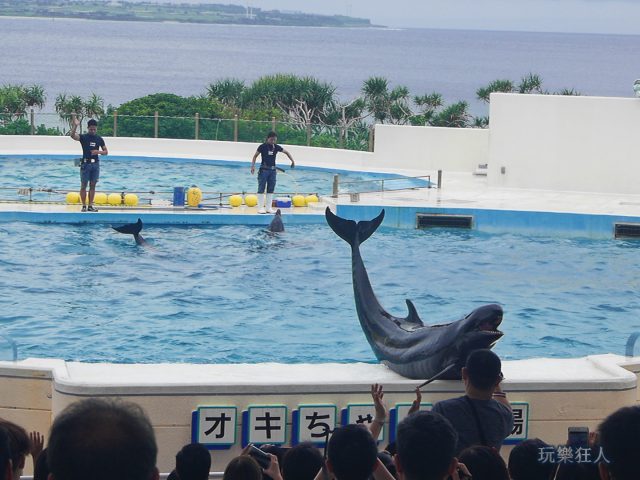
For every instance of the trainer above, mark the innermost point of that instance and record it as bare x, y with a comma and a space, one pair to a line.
267, 172
92, 146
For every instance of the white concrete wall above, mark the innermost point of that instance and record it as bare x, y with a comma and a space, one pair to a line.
553, 142
428, 149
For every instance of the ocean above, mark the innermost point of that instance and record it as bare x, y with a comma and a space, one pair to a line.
124, 60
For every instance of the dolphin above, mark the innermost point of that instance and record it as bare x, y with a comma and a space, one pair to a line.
276, 225
406, 345
133, 229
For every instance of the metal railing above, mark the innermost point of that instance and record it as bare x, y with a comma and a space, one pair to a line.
381, 185
197, 127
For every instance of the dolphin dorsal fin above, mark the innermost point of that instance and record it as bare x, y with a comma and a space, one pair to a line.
413, 317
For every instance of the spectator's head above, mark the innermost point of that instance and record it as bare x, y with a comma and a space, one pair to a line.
524, 463
482, 369
41, 468
425, 446
620, 441
301, 462
484, 463
102, 440
193, 462
352, 453
5, 455
19, 446
242, 468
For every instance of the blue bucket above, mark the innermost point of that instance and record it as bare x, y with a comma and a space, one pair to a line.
178, 196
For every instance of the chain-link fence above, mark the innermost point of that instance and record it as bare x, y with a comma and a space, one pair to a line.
196, 128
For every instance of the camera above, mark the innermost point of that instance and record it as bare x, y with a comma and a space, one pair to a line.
263, 459
578, 437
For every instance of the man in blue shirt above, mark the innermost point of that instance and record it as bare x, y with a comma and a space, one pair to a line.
267, 171
92, 146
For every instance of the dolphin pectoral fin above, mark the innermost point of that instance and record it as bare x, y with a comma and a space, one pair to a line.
350, 231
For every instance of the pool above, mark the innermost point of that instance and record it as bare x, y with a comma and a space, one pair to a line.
161, 175
235, 294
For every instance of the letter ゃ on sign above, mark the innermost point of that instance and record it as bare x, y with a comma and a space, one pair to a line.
215, 427
313, 423
264, 424
361, 413
520, 423
397, 414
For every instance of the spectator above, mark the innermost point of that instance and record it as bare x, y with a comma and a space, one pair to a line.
483, 416
5, 456
242, 468
301, 462
102, 440
425, 447
484, 463
524, 463
619, 437
193, 462
19, 445
352, 453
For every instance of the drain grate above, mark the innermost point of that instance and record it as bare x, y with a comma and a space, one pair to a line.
627, 230
424, 220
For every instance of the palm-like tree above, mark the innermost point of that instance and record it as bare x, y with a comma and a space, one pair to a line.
530, 83
228, 91
504, 86
93, 107
34, 96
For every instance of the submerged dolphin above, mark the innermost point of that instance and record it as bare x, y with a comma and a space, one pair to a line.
133, 229
406, 345
276, 225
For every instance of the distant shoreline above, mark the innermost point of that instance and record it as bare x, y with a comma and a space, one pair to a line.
196, 14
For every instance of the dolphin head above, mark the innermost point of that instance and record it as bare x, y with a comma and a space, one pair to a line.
479, 329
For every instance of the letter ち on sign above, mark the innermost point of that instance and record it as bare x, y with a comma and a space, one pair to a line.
216, 426
315, 422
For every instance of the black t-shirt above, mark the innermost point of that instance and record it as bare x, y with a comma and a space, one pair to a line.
90, 142
268, 153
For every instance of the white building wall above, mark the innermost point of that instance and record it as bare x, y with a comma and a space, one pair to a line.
553, 142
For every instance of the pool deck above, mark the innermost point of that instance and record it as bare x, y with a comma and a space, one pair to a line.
461, 193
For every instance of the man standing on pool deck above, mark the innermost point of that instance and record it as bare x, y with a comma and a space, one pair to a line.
92, 146
267, 171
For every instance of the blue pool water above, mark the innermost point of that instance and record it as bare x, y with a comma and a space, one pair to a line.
135, 174
237, 294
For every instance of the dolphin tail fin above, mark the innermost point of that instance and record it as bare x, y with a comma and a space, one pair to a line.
131, 228
350, 231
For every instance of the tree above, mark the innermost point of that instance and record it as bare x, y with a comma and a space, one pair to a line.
455, 115
34, 96
504, 86
530, 83
391, 106
427, 106
228, 91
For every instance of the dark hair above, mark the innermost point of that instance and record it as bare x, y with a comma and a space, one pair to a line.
193, 462
387, 460
484, 463
92, 123
41, 468
5, 452
242, 468
272, 135
102, 439
301, 462
425, 445
19, 443
524, 463
352, 452
620, 441
483, 367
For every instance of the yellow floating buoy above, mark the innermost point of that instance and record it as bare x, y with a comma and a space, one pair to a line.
131, 199
73, 197
100, 198
114, 199
235, 200
194, 196
298, 201
311, 199
250, 200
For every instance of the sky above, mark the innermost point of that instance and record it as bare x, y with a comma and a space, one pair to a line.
582, 16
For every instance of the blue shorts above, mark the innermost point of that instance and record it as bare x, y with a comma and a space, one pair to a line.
268, 178
89, 172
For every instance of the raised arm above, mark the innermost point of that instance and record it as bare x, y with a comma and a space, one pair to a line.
73, 134
499, 395
377, 394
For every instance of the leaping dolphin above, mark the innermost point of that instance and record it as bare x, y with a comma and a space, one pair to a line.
276, 225
406, 345
133, 229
